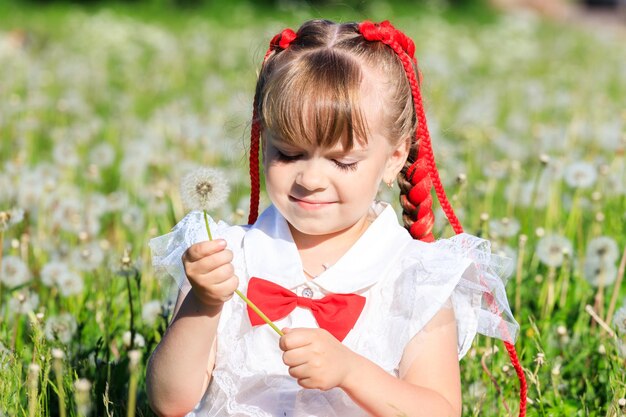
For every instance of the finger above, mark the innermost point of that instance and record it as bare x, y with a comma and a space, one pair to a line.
226, 287
295, 357
201, 249
213, 261
299, 372
217, 276
295, 338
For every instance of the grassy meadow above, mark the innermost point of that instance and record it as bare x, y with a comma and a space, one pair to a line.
103, 110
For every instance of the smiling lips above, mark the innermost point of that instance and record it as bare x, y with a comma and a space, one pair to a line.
310, 204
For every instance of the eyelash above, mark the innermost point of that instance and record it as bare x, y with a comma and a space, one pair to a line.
340, 165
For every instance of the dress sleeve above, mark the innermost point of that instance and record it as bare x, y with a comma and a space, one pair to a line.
462, 272
167, 250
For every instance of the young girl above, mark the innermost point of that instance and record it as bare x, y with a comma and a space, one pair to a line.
375, 319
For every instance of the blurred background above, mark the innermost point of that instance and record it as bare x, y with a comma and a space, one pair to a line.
104, 106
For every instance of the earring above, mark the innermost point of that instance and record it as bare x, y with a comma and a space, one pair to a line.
389, 184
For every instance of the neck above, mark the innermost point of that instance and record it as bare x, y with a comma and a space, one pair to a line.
316, 250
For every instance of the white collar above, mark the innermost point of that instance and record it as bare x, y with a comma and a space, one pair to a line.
271, 253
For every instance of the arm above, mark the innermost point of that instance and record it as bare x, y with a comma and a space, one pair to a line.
430, 379
429, 385
175, 383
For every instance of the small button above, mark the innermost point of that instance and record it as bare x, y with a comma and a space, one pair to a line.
307, 292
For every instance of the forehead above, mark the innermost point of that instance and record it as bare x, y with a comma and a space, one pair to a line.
323, 99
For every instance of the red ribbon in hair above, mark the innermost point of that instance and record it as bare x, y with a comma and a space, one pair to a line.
387, 34
283, 39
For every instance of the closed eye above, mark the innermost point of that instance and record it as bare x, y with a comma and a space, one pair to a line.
287, 157
352, 166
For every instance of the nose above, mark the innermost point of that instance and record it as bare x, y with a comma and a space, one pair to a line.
311, 175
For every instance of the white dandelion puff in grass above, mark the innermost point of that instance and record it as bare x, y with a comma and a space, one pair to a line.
138, 340
60, 328
551, 249
23, 303
580, 175
151, 311
10, 218
597, 271
51, 272
14, 272
204, 189
619, 319
70, 283
604, 248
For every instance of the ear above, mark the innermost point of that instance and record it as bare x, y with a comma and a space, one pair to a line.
396, 160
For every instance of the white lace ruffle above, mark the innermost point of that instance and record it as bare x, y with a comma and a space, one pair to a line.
167, 250
486, 280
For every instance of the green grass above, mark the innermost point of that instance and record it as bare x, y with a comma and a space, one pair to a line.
165, 89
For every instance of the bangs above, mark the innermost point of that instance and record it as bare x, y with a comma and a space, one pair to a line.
314, 100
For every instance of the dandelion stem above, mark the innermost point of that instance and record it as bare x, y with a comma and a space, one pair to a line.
206, 222
616, 288
134, 357
259, 312
240, 294
33, 388
58, 370
599, 320
132, 315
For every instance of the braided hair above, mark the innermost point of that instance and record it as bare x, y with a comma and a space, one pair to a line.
335, 52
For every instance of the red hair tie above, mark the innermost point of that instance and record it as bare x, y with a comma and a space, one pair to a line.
283, 39
387, 34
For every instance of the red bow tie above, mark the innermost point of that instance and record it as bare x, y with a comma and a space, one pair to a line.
336, 313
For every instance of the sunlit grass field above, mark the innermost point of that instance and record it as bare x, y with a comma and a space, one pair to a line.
102, 111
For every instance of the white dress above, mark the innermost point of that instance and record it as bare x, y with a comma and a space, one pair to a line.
405, 283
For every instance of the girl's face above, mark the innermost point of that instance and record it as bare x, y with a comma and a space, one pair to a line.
322, 191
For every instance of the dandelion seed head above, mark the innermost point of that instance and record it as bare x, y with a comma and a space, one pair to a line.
14, 271
60, 328
23, 303
580, 175
540, 359
88, 256
603, 247
82, 385
556, 370
621, 402
602, 349
597, 271
70, 283
34, 369
551, 249
51, 272
151, 311
561, 330
57, 353
134, 356
138, 340
203, 189
10, 218
477, 390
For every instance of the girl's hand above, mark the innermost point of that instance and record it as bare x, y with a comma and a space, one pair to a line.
315, 358
210, 272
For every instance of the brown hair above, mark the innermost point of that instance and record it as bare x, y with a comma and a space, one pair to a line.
309, 92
